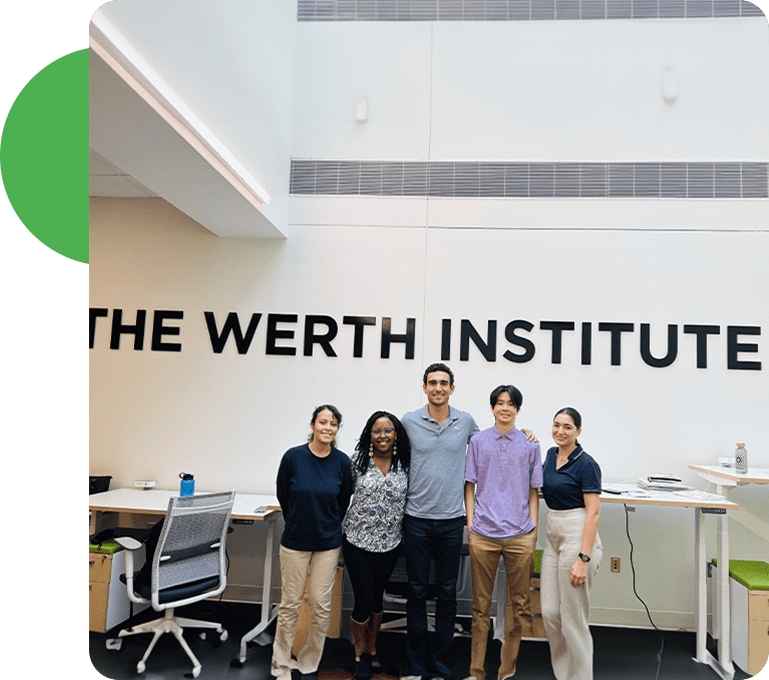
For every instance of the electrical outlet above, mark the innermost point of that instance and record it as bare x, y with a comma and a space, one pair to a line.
615, 565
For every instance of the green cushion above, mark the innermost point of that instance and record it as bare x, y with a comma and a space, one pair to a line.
752, 574
537, 561
108, 547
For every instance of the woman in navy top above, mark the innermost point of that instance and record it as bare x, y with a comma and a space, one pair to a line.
372, 527
314, 486
571, 487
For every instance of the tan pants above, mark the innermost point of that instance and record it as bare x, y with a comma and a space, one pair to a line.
295, 565
518, 557
566, 608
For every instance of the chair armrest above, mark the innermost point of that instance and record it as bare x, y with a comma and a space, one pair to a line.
131, 545
128, 543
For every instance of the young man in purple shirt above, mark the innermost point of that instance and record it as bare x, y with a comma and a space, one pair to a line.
502, 474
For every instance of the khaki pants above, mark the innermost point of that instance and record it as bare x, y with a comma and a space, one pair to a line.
518, 557
566, 608
294, 568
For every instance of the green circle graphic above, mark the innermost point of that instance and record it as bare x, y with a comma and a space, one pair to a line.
44, 156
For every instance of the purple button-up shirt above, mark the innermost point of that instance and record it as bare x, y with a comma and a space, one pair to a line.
503, 468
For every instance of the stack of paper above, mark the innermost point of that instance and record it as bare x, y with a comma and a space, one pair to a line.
660, 482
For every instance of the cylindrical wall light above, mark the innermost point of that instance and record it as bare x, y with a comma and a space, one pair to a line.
361, 109
669, 86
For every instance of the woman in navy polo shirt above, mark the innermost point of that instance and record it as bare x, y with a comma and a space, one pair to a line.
571, 487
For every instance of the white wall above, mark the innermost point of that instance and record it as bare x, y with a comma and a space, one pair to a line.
228, 417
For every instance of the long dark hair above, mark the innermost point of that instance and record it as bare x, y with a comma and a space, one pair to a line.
400, 459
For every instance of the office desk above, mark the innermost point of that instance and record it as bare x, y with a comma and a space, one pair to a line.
725, 478
632, 495
718, 506
155, 502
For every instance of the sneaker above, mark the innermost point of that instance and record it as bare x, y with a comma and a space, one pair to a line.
411, 677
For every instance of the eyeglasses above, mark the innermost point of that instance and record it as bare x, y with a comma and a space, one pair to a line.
387, 430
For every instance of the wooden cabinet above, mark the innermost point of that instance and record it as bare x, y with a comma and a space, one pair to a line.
750, 627
108, 603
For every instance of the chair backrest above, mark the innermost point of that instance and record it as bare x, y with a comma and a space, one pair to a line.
190, 555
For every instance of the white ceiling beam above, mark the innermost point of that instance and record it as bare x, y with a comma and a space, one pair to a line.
141, 125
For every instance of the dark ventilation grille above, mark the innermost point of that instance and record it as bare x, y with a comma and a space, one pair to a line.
529, 180
519, 10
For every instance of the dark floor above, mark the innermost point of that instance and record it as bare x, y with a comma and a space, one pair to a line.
619, 653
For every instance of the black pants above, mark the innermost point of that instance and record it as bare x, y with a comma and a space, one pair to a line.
369, 573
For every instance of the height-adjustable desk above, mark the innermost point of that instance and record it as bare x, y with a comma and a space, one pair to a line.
725, 478
632, 495
155, 502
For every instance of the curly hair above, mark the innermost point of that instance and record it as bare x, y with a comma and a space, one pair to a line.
403, 456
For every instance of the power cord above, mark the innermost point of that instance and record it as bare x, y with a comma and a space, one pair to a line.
635, 592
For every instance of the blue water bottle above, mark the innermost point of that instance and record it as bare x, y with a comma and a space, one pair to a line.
187, 487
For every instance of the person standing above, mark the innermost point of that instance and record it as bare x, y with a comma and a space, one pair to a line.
372, 528
572, 552
314, 487
434, 519
502, 475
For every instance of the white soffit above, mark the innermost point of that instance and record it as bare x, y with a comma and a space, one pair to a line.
139, 124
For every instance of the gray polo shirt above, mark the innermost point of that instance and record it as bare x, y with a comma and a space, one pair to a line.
437, 471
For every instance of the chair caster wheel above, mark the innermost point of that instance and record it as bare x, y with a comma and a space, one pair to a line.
140, 667
237, 663
114, 643
223, 636
196, 671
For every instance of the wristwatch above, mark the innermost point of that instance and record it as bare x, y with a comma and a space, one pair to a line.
584, 558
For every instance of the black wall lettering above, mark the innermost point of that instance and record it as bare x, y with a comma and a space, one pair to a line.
159, 330
557, 328
525, 343
672, 352
388, 337
702, 333
733, 348
231, 327
274, 334
93, 314
119, 328
488, 348
446, 340
616, 330
587, 343
311, 338
358, 322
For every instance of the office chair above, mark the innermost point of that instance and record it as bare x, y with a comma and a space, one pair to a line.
187, 566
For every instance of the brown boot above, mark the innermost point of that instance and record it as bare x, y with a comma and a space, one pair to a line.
372, 629
374, 622
358, 631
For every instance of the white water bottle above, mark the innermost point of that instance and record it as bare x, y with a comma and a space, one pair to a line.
741, 459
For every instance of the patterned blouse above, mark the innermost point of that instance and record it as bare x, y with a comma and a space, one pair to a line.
375, 517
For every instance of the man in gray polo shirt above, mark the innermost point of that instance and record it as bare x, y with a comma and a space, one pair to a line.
435, 518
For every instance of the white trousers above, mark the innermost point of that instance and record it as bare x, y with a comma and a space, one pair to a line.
298, 568
566, 608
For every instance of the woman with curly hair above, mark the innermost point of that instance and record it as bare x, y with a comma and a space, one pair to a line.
372, 527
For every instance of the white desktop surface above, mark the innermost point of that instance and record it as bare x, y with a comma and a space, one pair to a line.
155, 502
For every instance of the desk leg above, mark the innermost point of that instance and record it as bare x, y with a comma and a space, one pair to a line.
701, 587
724, 605
723, 665
268, 611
